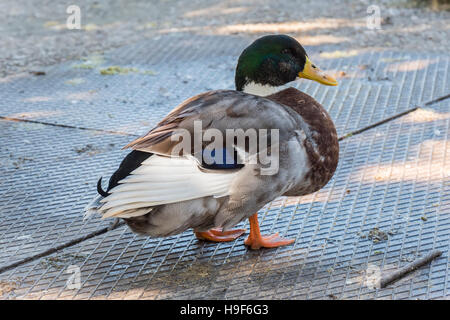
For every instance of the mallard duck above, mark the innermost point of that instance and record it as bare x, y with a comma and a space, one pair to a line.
161, 189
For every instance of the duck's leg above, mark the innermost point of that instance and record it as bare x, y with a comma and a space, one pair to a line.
217, 235
255, 240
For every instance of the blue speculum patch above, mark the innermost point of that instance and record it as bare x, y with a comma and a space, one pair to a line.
220, 159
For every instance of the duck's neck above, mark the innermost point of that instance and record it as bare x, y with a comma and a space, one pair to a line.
260, 89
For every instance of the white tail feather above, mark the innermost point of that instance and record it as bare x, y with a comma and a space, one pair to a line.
162, 180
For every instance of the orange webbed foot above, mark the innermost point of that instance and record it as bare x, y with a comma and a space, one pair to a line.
271, 241
217, 235
256, 241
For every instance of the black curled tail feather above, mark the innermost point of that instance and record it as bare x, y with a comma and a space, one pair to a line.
131, 162
100, 190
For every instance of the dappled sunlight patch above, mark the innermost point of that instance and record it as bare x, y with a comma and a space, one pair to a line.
38, 99
389, 173
147, 25
7, 287
321, 39
425, 115
339, 54
214, 11
371, 276
292, 26
55, 25
410, 29
48, 24
395, 59
13, 77
437, 149
91, 27
418, 169
412, 65
403, 173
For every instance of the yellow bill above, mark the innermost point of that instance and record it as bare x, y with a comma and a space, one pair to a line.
312, 72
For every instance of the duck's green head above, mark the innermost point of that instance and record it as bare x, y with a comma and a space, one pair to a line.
272, 61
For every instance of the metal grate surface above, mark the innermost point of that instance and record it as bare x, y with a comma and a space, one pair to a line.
373, 86
393, 177
48, 178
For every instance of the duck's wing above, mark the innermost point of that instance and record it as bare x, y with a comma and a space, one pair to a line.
216, 110
173, 174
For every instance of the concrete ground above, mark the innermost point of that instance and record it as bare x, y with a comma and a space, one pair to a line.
64, 125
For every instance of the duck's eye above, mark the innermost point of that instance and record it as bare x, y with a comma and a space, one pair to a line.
314, 66
286, 51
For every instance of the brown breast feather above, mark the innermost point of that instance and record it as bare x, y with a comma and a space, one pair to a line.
323, 133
